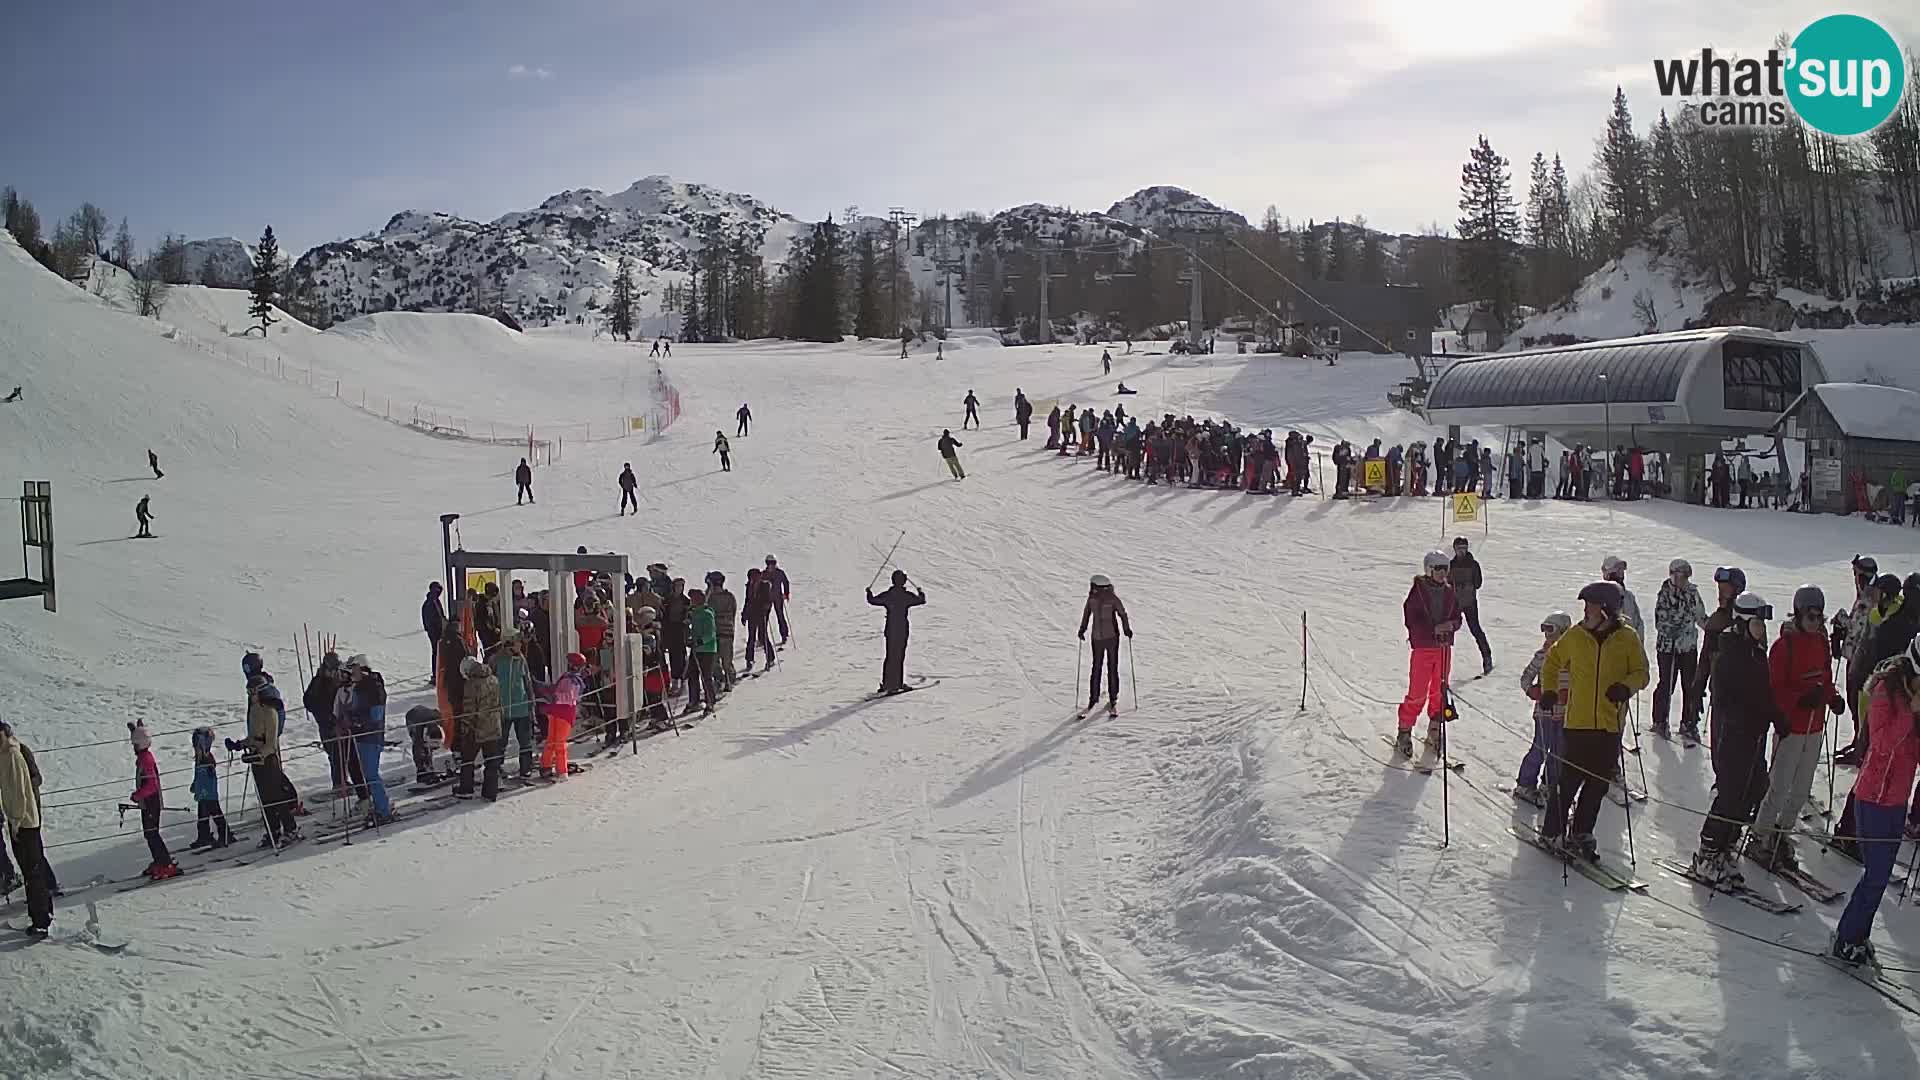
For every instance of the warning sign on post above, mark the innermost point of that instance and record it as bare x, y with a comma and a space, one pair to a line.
1466, 507
1375, 474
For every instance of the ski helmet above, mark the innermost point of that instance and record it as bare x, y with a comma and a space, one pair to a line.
1460, 542
251, 664
1886, 585
1100, 581
1865, 566
1750, 605
1809, 598
1434, 560
1731, 575
1613, 566
1605, 593
1557, 621
357, 662
576, 660
1680, 566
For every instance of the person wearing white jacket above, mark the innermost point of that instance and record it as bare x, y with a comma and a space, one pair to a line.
21, 806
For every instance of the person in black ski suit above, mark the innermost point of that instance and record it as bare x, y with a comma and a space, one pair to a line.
153, 462
523, 482
1746, 710
628, 482
725, 451
1022, 410
433, 619
782, 592
973, 411
754, 613
1464, 569
745, 416
898, 600
1108, 617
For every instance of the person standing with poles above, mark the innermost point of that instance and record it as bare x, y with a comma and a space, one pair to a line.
628, 482
745, 416
1803, 689
782, 592
1744, 703
898, 601
949, 452
1678, 615
1108, 617
1432, 614
1604, 665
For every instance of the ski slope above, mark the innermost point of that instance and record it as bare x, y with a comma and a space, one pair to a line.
961, 882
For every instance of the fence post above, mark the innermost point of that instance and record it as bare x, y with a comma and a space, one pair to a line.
336, 388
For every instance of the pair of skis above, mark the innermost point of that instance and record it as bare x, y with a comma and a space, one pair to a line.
1598, 871
1427, 761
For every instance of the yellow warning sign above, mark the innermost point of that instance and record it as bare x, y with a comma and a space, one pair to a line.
1376, 474
1466, 507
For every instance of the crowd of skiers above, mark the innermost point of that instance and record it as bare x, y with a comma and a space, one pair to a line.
1588, 669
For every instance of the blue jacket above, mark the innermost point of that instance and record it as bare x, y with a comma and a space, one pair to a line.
367, 707
206, 780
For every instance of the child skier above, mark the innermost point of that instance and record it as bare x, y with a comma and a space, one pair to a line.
562, 709
206, 794
1544, 754
147, 793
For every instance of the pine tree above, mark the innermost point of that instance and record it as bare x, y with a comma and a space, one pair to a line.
691, 327
1623, 175
123, 247
1337, 255
1489, 228
1373, 261
868, 322
816, 295
266, 280
620, 311
1795, 261
1312, 252
1667, 172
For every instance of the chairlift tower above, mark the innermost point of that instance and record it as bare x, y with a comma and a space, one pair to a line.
1046, 279
36, 531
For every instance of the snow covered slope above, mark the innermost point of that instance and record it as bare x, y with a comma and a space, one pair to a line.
963, 882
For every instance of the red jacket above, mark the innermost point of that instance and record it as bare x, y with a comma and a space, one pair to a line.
1797, 664
1431, 620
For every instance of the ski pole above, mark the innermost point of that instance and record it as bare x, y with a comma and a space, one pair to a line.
1133, 672
1632, 857
885, 561
1633, 715
1079, 652
1303, 662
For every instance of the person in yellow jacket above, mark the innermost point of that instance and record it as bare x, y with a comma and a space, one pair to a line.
1604, 664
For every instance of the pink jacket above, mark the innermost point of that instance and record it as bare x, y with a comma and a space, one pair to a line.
146, 776
1886, 777
564, 692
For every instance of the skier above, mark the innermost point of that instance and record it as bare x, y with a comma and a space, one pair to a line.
563, 708
153, 462
656, 348
266, 716
1053, 428
1802, 682
1109, 619
724, 607
453, 649
20, 806
1432, 614
1464, 571
628, 482
1342, 458
1545, 752
320, 699
948, 445
366, 721
705, 637
754, 615
1880, 795
745, 416
1678, 615
1604, 665
1614, 568
973, 411
1730, 581
1022, 411
516, 698
1744, 704
675, 624
145, 517
782, 592
147, 795
213, 831
1867, 614
523, 482
13, 397
1537, 469
483, 732
1106, 362
725, 451
1516, 472
898, 601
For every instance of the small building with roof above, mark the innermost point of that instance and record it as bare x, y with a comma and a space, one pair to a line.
1860, 440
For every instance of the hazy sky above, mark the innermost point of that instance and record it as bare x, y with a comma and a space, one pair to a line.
213, 118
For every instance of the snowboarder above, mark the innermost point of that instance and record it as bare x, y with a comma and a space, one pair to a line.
1054, 419
144, 516
1744, 703
1464, 572
147, 795
628, 482
1108, 617
1106, 362
948, 447
433, 619
1802, 681
484, 732
1544, 754
898, 600
153, 462
13, 397
20, 806
1678, 616
725, 451
705, 639
213, 831
1604, 664
754, 614
745, 416
973, 411
1880, 795
1022, 411
782, 592
1432, 614
1614, 568
523, 482
725, 607
366, 722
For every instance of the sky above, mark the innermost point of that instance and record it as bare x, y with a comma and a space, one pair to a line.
215, 118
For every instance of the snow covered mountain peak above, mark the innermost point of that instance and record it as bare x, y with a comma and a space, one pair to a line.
1149, 206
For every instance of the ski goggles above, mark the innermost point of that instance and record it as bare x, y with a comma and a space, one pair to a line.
1764, 612
1723, 574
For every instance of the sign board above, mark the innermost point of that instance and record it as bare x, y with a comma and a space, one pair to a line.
1826, 476
1376, 474
636, 423
478, 580
1466, 507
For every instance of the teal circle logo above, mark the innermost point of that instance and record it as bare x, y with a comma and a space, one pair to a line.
1846, 75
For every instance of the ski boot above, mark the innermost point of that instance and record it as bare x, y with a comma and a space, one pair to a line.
1584, 846
1913, 830
1849, 756
375, 820
148, 872
1437, 736
1528, 793
1486, 665
200, 842
1690, 734
1854, 953
162, 873
37, 933
1403, 743
1661, 729
1113, 707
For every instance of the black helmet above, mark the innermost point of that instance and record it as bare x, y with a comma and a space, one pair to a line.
1607, 594
899, 577
1731, 575
1809, 598
1865, 566
716, 578
1886, 584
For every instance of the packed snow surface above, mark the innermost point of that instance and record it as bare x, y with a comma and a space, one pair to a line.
960, 882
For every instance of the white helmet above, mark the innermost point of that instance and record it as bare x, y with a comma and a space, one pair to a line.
1559, 620
1435, 560
1100, 581
1750, 605
1611, 565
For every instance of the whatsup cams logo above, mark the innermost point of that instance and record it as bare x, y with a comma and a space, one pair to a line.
1843, 75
